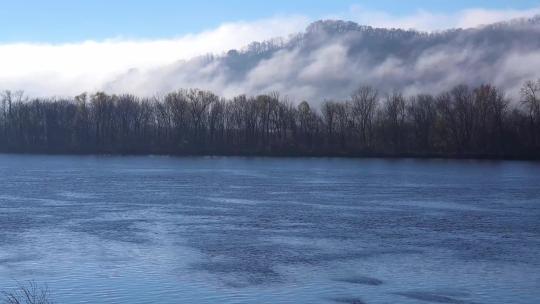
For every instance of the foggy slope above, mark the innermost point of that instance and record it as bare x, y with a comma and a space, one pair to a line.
331, 58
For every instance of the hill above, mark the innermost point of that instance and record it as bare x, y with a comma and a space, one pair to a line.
331, 58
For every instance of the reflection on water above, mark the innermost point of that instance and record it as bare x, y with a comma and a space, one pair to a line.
263, 230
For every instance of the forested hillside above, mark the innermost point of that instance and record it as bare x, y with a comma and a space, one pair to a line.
330, 59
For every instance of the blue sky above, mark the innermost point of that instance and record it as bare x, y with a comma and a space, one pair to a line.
58, 21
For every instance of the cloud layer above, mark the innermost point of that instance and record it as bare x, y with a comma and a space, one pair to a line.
333, 58
431, 21
319, 65
65, 69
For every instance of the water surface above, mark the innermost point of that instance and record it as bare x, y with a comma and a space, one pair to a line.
267, 230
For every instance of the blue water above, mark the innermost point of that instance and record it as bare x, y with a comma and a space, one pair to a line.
265, 230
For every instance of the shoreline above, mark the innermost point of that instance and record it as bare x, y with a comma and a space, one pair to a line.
426, 156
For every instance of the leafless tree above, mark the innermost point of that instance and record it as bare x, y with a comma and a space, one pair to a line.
364, 106
462, 121
29, 293
530, 94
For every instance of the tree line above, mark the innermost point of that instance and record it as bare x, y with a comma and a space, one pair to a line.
477, 122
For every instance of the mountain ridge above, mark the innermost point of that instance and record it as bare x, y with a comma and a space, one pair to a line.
332, 57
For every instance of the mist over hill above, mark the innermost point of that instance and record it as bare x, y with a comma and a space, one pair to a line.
332, 58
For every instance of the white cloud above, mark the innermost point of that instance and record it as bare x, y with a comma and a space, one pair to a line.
432, 21
75, 67
476, 17
68, 69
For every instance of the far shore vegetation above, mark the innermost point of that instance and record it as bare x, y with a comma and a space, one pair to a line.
463, 122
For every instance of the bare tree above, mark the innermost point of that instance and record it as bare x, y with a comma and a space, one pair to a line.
530, 94
422, 113
29, 293
460, 122
394, 113
364, 106
490, 108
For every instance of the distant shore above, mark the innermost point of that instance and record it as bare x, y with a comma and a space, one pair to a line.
289, 155
463, 122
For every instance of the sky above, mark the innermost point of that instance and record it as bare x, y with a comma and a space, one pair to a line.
57, 21
61, 47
